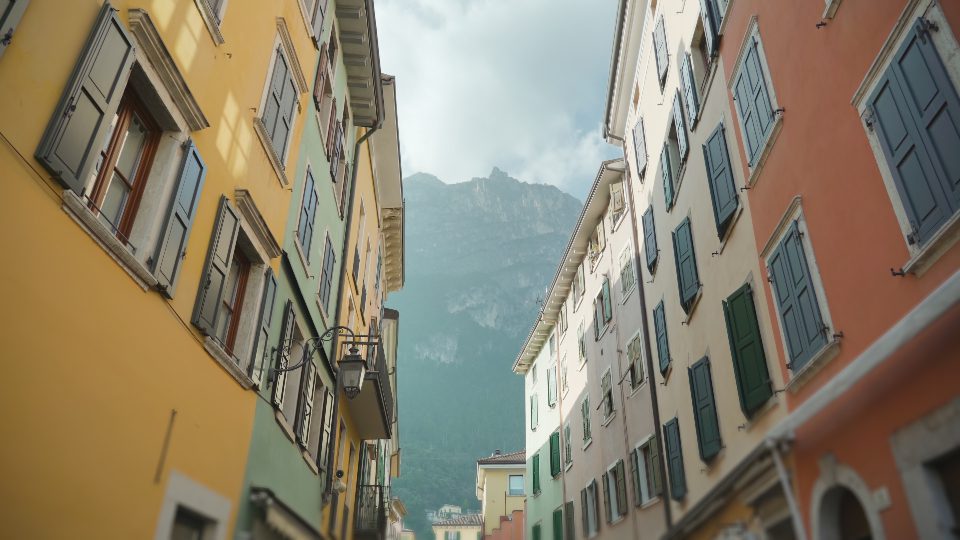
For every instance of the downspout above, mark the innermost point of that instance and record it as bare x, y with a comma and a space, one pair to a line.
787, 488
646, 345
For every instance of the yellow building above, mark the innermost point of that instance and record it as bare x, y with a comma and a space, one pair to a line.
145, 153
500, 487
466, 527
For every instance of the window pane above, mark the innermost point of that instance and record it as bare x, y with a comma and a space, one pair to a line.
131, 148
113, 202
187, 525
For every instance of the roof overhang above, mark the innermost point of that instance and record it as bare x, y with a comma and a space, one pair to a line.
388, 179
623, 63
361, 56
593, 210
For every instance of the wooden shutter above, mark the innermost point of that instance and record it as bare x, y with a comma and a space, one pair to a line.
10, 13
261, 348
709, 29
569, 520
534, 417
552, 386
288, 111
653, 472
305, 407
678, 480
274, 102
608, 511
680, 125
796, 300
555, 453
331, 134
917, 112
635, 458
308, 212
688, 280
326, 437
704, 409
319, 12
172, 247
640, 147
584, 512
689, 86
616, 198
660, 44
650, 250
219, 258
621, 482
753, 102
558, 524
283, 355
746, 349
585, 410
320, 81
723, 191
660, 328
80, 123
536, 473
607, 306
326, 279
666, 173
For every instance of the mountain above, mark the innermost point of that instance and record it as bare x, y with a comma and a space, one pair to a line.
479, 255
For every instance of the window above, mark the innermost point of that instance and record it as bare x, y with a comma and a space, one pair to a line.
746, 349
536, 474
650, 250
617, 202
581, 343
589, 501
634, 358
645, 462
326, 277
660, 329
308, 214
314, 13
569, 523
606, 393
534, 533
567, 444
673, 155
321, 433
602, 309
533, 374
678, 479
533, 412
628, 278
552, 386
800, 318
688, 279
10, 13
598, 241
289, 353
558, 523
447, 535
280, 106
615, 492
578, 286
563, 374
562, 318
704, 409
515, 485
913, 111
228, 318
555, 453
689, 89
552, 342
585, 416
752, 96
711, 17
188, 525
660, 48
306, 396
640, 147
723, 190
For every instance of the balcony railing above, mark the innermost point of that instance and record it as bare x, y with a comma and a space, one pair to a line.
372, 510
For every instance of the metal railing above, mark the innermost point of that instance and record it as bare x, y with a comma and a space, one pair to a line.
372, 509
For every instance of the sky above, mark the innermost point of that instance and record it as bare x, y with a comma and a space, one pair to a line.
516, 84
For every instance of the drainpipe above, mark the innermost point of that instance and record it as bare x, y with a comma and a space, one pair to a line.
646, 345
798, 529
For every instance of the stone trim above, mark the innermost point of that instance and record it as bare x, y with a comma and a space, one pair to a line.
227, 362
258, 226
186, 492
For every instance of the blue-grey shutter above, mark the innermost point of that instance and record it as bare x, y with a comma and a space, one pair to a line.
753, 101
746, 348
674, 451
326, 279
308, 212
261, 347
10, 13
704, 409
650, 250
796, 300
660, 328
288, 110
272, 107
621, 477
326, 436
688, 280
81, 121
640, 147
689, 85
283, 355
680, 126
709, 28
584, 517
723, 191
183, 208
608, 511
653, 471
305, 406
918, 114
319, 12
666, 173
660, 45
607, 307
216, 268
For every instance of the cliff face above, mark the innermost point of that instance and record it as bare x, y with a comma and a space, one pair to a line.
479, 254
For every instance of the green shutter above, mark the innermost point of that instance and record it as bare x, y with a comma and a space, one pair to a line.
308, 214
650, 239
723, 191
283, 355
80, 123
607, 307
689, 86
746, 349
704, 409
172, 247
536, 474
11, 11
217, 267
555, 453
260, 358
640, 147
678, 479
666, 174
660, 328
688, 279
535, 534
558, 524
680, 125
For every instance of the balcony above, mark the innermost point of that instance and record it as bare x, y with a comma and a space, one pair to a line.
372, 502
372, 410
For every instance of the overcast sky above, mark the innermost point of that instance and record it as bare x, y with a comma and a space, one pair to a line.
518, 84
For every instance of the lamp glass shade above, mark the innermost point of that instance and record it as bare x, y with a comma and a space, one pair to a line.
353, 370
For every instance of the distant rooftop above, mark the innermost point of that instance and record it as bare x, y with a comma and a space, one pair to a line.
469, 520
498, 458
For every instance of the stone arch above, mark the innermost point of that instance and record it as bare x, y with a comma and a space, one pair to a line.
838, 495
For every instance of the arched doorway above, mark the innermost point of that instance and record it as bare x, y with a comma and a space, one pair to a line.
842, 516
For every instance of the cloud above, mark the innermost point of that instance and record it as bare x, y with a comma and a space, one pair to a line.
519, 84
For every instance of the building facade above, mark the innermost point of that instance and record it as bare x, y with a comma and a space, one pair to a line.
500, 481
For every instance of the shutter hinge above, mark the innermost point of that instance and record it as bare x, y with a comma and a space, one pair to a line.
7, 38
71, 106
912, 236
869, 117
925, 26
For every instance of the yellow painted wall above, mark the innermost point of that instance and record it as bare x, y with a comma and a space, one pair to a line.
95, 366
496, 499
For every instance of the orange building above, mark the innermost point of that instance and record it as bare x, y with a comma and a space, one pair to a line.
848, 124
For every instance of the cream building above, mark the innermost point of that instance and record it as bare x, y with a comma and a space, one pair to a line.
465, 527
500, 481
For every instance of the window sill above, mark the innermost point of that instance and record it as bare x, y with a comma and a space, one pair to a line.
227, 362
568, 466
758, 414
831, 9
284, 425
652, 501
210, 20
76, 209
607, 420
693, 306
272, 155
583, 362
626, 294
729, 232
941, 242
680, 174
308, 459
707, 83
603, 331
665, 374
587, 443
765, 151
636, 389
323, 312
303, 258
823, 357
